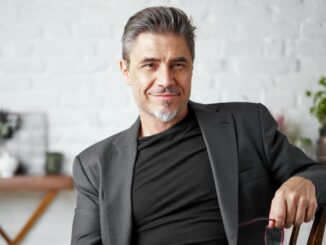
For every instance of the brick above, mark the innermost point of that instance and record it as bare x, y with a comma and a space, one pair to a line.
273, 48
240, 96
249, 82
110, 47
217, 29
218, 22
279, 100
203, 65
314, 30
202, 82
79, 99
15, 83
71, 65
44, 14
19, 50
115, 120
8, 12
316, 10
27, 99
61, 82
100, 14
21, 31
209, 48
267, 29
2, 53
57, 29
65, 48
297, 83
206, 97
266, 66
66, 118
94, 29
313, 65
240, 48
311, 48
97, 3
35, 4
109, 100
288, 11
292, 2
22, 66
108, 82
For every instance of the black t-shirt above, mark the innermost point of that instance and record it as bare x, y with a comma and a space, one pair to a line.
174, 197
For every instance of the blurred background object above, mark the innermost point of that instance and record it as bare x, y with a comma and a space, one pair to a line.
28, 145
53, 163
318, 109
9, 124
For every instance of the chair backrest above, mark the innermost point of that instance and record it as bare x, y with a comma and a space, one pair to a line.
317, 230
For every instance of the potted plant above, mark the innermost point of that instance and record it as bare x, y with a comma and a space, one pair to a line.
9, 124
318, 109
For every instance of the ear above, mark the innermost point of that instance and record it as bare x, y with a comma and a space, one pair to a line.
125, 71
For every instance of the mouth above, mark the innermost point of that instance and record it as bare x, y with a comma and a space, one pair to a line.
166, 96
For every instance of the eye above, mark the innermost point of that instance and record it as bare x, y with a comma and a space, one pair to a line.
148, 65
178, 65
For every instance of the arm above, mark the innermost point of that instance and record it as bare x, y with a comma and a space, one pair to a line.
302, 180
86, 224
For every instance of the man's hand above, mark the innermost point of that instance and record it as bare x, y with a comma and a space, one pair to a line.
294, 203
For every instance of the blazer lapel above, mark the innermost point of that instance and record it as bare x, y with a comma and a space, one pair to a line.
220, 139
117, 181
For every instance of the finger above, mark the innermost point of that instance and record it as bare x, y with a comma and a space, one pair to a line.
290, 213
277, 212
300, 213
271, 223
311, 210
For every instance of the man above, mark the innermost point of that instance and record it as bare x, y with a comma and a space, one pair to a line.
187, 173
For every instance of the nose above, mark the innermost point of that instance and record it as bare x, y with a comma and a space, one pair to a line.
165, 77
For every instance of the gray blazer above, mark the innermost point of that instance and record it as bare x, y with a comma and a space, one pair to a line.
249, 158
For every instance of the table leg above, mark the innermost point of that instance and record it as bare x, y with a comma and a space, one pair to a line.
47, 199
5, 235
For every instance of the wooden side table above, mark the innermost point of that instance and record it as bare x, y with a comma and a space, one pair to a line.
51, 185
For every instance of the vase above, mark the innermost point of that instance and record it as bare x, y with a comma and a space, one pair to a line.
53, 163
8, 163
321, 149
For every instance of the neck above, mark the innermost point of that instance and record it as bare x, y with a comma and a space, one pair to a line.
150, 125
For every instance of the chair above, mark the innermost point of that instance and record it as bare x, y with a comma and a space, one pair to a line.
317, 230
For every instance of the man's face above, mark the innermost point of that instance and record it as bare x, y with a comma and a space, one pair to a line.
159, 72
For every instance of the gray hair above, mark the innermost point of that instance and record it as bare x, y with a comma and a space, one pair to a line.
158, 20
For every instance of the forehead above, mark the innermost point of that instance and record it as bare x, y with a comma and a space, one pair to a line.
159, 45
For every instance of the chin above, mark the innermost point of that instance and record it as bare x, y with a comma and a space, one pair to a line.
165, 116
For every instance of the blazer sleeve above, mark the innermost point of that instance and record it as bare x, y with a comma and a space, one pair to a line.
86, 223
285, 160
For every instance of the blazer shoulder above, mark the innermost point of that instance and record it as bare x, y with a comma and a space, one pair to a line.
237, 108
106, 144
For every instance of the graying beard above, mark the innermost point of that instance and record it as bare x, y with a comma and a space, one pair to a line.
165, 116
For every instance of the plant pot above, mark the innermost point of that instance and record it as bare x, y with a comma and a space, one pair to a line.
8, 164
53, 163
322, 132
321, 147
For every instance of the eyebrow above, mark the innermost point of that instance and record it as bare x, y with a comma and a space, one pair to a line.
146, 59
175, 60
179, 59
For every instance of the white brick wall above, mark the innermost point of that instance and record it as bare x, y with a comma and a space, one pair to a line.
61, 57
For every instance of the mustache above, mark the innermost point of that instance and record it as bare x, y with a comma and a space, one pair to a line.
164, 90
